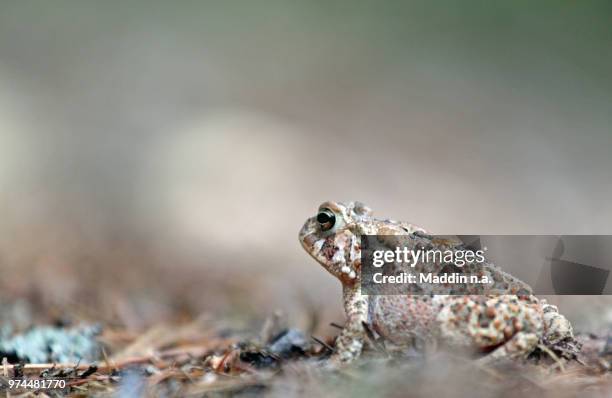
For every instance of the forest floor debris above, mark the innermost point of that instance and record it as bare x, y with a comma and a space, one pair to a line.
198, 359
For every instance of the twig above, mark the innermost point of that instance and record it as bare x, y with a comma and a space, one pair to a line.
372, 339
334, 324
324, 344
553, 356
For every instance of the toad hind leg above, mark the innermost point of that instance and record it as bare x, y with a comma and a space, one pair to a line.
520, 345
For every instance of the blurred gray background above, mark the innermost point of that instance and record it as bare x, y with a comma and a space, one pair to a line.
160, 157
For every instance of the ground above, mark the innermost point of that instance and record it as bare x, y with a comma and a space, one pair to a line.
209, 357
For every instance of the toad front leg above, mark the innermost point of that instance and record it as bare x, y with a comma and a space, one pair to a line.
350, 341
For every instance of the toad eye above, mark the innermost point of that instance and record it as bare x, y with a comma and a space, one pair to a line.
326, 219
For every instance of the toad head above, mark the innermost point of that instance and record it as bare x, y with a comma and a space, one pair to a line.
332, 237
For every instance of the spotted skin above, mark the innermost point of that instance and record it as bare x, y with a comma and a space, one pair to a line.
493, 327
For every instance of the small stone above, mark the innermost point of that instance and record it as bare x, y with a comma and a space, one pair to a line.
289, 343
